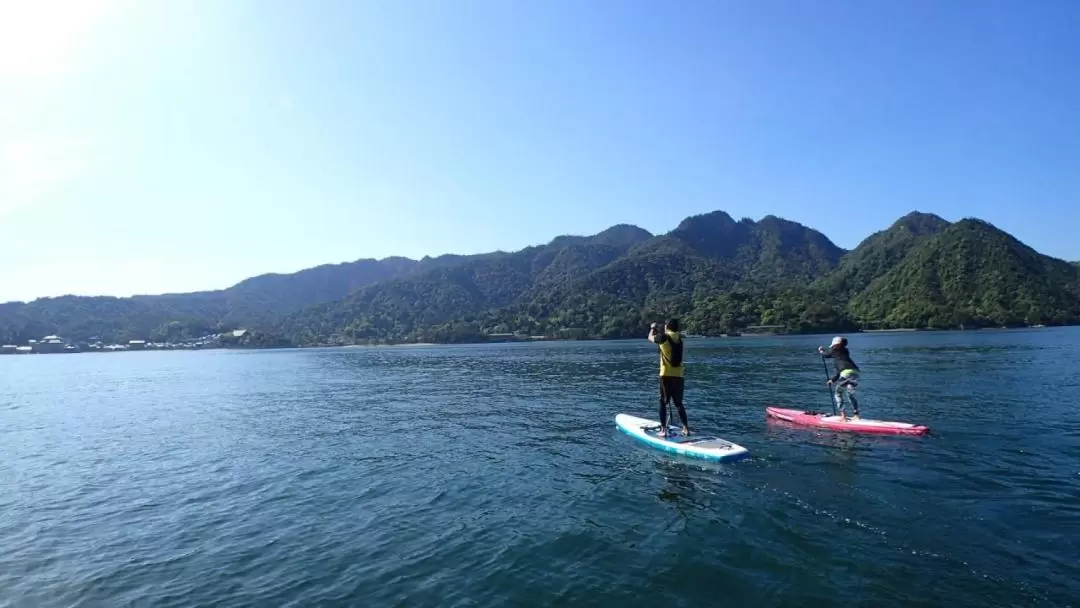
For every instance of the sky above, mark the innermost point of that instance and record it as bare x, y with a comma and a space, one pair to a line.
171, 146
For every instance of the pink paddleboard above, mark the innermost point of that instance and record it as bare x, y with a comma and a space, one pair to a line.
837, 423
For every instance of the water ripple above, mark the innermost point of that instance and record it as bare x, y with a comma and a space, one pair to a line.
492, 475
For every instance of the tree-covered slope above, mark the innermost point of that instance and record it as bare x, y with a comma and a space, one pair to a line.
106, 318
972, 274
881, 252
603, 286
718, 274
258, 302
271, 295
471, 285
771, 251
704, 255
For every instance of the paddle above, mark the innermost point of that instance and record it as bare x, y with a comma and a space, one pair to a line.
832, 394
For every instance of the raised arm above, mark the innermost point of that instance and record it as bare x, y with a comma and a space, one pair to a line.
656, 337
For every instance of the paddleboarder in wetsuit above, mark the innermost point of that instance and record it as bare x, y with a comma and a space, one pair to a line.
847, 374
670, 342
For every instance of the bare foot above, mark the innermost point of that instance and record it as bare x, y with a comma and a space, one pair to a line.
662, 433
686, 431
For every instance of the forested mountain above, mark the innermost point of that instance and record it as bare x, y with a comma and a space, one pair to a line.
256, 302
768, 252
718, 274
602, 286
272, 295
972, 274
881, 252
408, 305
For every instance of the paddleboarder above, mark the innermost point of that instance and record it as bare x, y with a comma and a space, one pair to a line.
672, 379
846, 379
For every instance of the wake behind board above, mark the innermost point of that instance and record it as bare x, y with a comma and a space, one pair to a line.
699, 446
837, 423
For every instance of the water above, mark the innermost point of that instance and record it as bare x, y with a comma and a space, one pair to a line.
494, 476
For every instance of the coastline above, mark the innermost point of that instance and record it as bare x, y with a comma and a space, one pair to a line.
399, 344
484, 340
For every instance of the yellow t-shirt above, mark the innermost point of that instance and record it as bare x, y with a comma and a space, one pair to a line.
666, 340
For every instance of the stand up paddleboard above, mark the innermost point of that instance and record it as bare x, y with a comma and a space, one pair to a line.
838, 423
703, 446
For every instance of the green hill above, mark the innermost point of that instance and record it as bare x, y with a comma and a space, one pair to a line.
418, 304
271, 295
602, 286
972, 274
881, 252
718, 274
258, 302
767, 252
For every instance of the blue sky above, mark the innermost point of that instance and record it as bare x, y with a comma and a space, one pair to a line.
150, 147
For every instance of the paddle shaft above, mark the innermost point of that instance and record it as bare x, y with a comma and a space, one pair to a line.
832, 393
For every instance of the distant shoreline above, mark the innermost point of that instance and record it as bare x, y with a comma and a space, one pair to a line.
819, 332
903, 330
376, 345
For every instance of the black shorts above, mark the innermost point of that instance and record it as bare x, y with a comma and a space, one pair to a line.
671, 389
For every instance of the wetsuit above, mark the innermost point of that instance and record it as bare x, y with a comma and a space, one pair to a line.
846, 378
671, 375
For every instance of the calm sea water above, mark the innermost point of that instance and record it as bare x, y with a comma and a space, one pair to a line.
494, 476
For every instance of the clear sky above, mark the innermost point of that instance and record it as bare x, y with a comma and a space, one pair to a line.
156, 146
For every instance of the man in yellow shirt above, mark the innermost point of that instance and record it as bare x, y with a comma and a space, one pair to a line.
670, 342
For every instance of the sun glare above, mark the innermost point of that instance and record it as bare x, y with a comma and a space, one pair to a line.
43, 37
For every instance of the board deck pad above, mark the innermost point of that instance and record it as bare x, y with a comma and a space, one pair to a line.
700, 446
838, 423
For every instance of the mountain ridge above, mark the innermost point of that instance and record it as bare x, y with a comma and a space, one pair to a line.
972, 273
881, 251
718, 273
